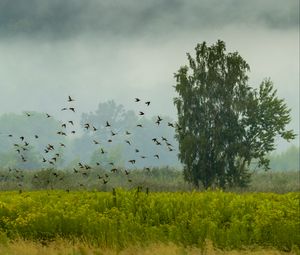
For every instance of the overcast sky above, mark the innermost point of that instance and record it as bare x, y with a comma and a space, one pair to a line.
98, 50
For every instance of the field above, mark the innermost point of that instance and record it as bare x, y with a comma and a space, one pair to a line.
121, 219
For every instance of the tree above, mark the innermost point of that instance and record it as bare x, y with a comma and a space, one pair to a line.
223, 123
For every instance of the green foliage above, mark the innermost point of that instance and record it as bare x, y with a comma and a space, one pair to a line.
224, 124
120, 219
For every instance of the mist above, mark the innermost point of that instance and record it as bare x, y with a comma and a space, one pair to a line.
97, 51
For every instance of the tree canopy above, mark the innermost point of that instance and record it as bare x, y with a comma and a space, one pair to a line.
224, 124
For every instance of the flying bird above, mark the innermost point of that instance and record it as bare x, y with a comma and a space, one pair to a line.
137, 99
147, 103
107, 124
70, 99
72, 109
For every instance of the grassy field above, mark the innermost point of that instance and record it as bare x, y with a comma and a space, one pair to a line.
125, 219
66, 248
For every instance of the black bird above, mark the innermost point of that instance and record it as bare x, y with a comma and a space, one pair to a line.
10, 135
71, 122
50, 147
44, 160
28, 114
95, 142
87, 125
126, 172
109, 140
61, 133
170, 124
178, 127
87, 167
64, 125
147, 103
112, 133
137, 99
80, 165
156, 156
143, 157
132, 161
105, 181
22, 138
64, 109
72, 109
128, 142
75, 170
97, 163
128, 133
107, 124
73, 132
169, 145
136, 150
62, 145
95, 129
114, 170
141, 113
47, 115
36, 136
102, 151
70, 99
139, 125
154, 139
26, 143
164, 139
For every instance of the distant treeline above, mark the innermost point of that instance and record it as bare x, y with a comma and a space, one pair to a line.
130, 141
154, 179
86, 145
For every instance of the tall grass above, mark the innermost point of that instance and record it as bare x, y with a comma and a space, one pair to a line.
125, 218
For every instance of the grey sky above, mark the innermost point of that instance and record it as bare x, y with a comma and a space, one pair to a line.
101, 50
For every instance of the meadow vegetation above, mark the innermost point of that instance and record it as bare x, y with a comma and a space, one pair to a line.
120, 219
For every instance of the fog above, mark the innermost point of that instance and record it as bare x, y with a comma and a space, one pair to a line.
101, 50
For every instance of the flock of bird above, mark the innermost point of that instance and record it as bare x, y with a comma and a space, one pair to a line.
51, 154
